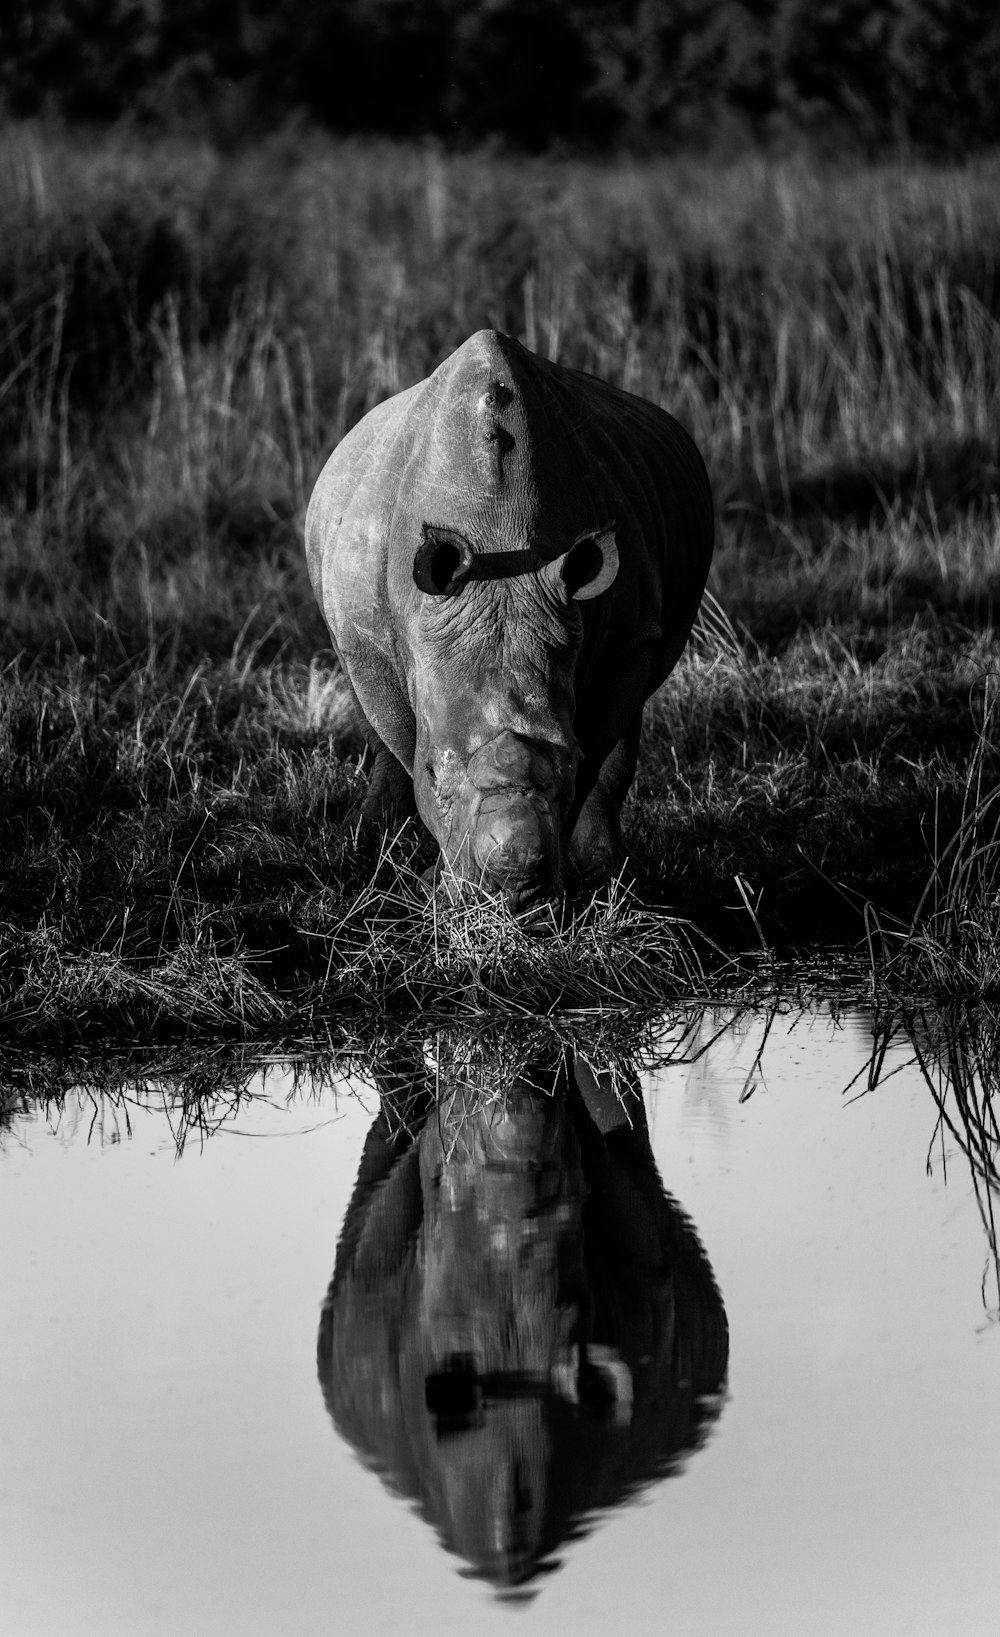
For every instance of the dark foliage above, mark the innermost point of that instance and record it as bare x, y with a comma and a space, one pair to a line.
529, 72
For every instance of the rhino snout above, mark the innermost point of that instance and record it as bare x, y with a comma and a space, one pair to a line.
516, 845
511, 838
498, 812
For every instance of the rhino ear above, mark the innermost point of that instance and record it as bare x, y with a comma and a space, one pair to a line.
589, 566
598, 1380
443, 563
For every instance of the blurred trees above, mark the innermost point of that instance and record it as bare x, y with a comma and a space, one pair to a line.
530, 72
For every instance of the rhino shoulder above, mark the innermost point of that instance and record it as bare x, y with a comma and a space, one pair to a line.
355, 484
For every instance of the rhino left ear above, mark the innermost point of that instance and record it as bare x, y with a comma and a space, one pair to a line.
443, 563
588, 568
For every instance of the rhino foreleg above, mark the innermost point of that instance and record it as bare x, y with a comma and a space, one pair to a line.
388, 803
596, 848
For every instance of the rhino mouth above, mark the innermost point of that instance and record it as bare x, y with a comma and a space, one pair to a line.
537, 906
516, 841
498, 820
512, 849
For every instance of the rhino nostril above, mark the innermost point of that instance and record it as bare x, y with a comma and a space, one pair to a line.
432, 776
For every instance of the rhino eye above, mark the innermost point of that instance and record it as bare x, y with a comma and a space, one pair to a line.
443, 563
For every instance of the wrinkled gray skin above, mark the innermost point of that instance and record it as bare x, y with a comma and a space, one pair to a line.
510, 556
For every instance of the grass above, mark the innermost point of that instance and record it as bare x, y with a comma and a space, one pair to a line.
211, 882
184, 335
951, 946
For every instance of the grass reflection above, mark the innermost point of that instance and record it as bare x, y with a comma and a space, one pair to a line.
957, 1052
203, 1089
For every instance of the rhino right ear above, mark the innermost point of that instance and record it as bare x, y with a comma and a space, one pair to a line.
588, 568
443, 563
598, 1380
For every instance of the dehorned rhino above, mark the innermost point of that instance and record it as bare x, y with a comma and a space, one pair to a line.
510, 556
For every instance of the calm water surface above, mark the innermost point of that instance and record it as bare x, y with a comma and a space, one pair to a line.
171, 1461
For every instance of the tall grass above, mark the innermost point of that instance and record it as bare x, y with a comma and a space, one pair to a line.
952, 944
183, 336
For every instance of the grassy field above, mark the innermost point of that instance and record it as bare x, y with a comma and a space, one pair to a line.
184, 336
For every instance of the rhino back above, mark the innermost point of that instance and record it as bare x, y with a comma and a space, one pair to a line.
625, 459
510, 450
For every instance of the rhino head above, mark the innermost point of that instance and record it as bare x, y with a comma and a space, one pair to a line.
492, 692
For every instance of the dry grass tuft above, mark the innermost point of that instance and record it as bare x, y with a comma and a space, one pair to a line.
951, 947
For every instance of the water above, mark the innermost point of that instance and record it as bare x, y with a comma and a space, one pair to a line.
169, 1463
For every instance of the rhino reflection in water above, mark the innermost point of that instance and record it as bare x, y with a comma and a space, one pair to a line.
522, 1326
510, 556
